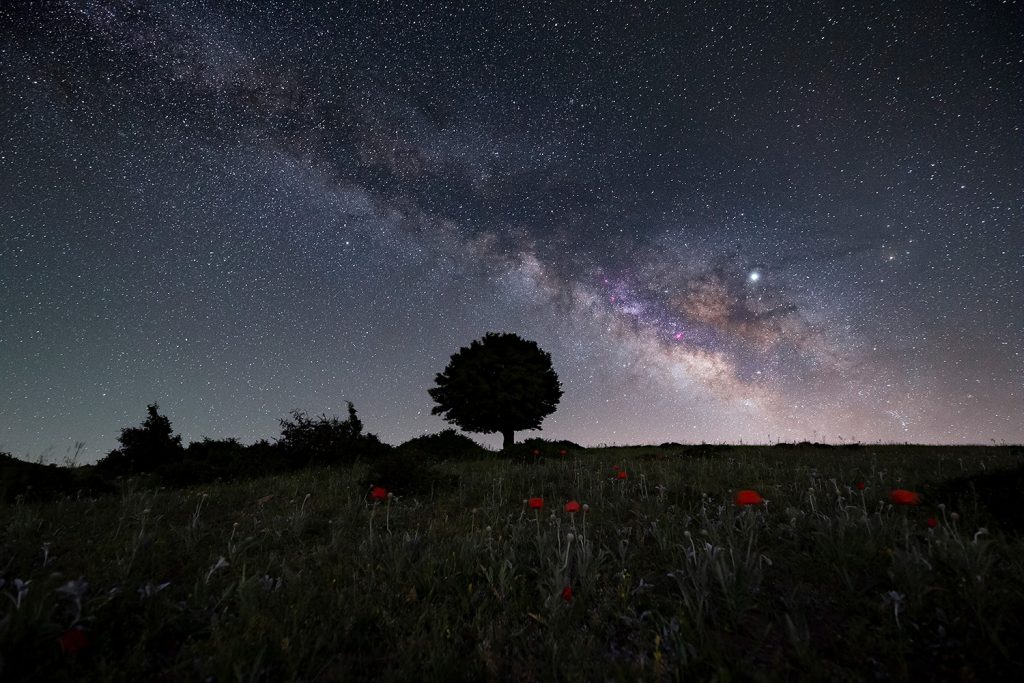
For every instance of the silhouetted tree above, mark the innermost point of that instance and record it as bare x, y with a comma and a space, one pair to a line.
500, 383
147, 447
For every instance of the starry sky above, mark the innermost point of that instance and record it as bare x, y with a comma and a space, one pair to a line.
726, 221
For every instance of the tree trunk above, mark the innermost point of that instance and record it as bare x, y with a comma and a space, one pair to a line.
509, 438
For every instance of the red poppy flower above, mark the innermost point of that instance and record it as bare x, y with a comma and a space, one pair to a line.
748, 497
932, 522
859, 486
904, 497
567, 594
74, 641
572, 506
563, 452
535, 452
378, 493
615, 468
536, 503
623, 475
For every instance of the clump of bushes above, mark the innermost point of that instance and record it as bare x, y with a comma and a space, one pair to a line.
38, 482
529, 449
445, 445
153, 451
406, 472
144, 449
994, 494
326, 440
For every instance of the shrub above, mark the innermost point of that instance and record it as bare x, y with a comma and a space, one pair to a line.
145, 448
326, 440
445, 445
37, 482
405, 472
524, 450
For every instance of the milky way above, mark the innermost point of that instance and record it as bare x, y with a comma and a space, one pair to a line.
732, 221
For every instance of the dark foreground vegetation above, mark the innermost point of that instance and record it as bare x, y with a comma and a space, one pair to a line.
466, 565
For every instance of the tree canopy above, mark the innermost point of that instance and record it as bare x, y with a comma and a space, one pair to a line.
501, 383
147, 447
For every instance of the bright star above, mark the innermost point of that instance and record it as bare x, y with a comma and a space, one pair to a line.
754, 276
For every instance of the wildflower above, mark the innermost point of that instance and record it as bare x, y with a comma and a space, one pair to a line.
904, 497
860, 485
623, 475
221, 563
269, 583
563, 452
748, 497
932, 522
378, 493
75, 591
149, 590
535, 503
572, 506
586, 508
21, 587
73, 641
954, 515
536, 453
615, 468
567, 594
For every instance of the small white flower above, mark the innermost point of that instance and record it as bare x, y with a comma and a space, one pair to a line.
269, 583
75, 590
149, 590
221, 563
21, 590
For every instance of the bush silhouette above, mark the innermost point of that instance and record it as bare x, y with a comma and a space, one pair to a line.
38, 482
145, 448
500, 383
406, 472
445, 445
326, 440
34, 481
212, 459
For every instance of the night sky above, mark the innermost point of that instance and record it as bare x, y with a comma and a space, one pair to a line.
725, 221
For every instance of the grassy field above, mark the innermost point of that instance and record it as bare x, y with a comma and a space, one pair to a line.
301, 577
